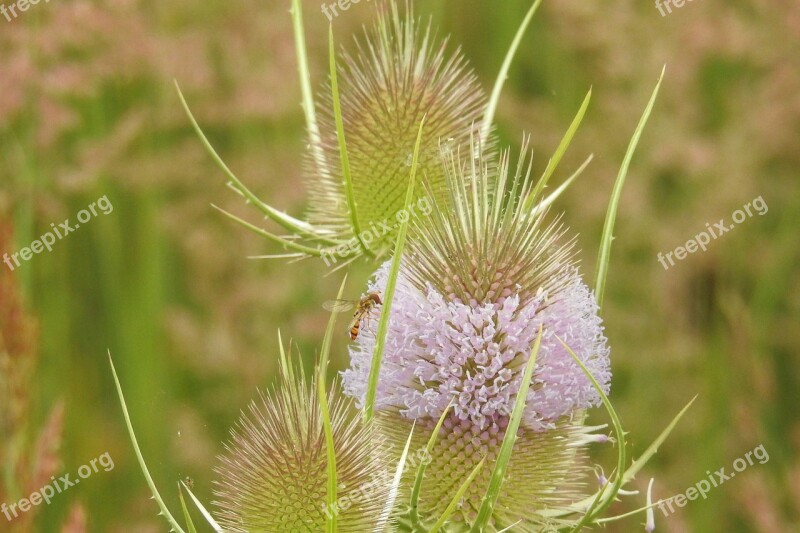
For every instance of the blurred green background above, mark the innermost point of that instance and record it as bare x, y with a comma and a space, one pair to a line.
88, 108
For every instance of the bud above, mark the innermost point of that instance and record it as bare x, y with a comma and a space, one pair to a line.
273, 476
399, 73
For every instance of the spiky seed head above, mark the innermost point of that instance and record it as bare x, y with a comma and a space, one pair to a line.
547, 470
398, 74
479, 278
273, 476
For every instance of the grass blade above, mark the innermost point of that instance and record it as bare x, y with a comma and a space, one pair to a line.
286, 368
213, 523
328, 338
326, 418
552, 164
457, 498
415, 491
305, 85
383, 324
398, 476
139, 457
611, 215
553, 196
346, 176
504, 456
600, 504
331, 496
491, 108
186, 516
651, 519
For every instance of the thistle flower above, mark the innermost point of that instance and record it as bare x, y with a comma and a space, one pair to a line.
361, 148
273, 476
479, 279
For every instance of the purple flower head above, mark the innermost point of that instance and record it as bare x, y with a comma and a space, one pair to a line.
440, 351
476, 284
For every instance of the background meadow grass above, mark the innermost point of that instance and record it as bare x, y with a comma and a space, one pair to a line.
88, 108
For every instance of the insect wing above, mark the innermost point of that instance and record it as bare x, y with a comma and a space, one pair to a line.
339, 306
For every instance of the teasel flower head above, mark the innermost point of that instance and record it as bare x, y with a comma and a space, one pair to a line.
479, 279
399, 74
362, 132
273, 475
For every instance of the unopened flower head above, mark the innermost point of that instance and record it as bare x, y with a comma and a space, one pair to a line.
401, 81
398, 74
274, 474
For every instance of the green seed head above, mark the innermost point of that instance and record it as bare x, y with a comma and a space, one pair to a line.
400, 73
547, 471
273, 475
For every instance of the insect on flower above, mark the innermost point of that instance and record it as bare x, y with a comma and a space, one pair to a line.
363, 309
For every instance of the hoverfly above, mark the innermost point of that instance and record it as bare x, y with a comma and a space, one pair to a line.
363, 309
